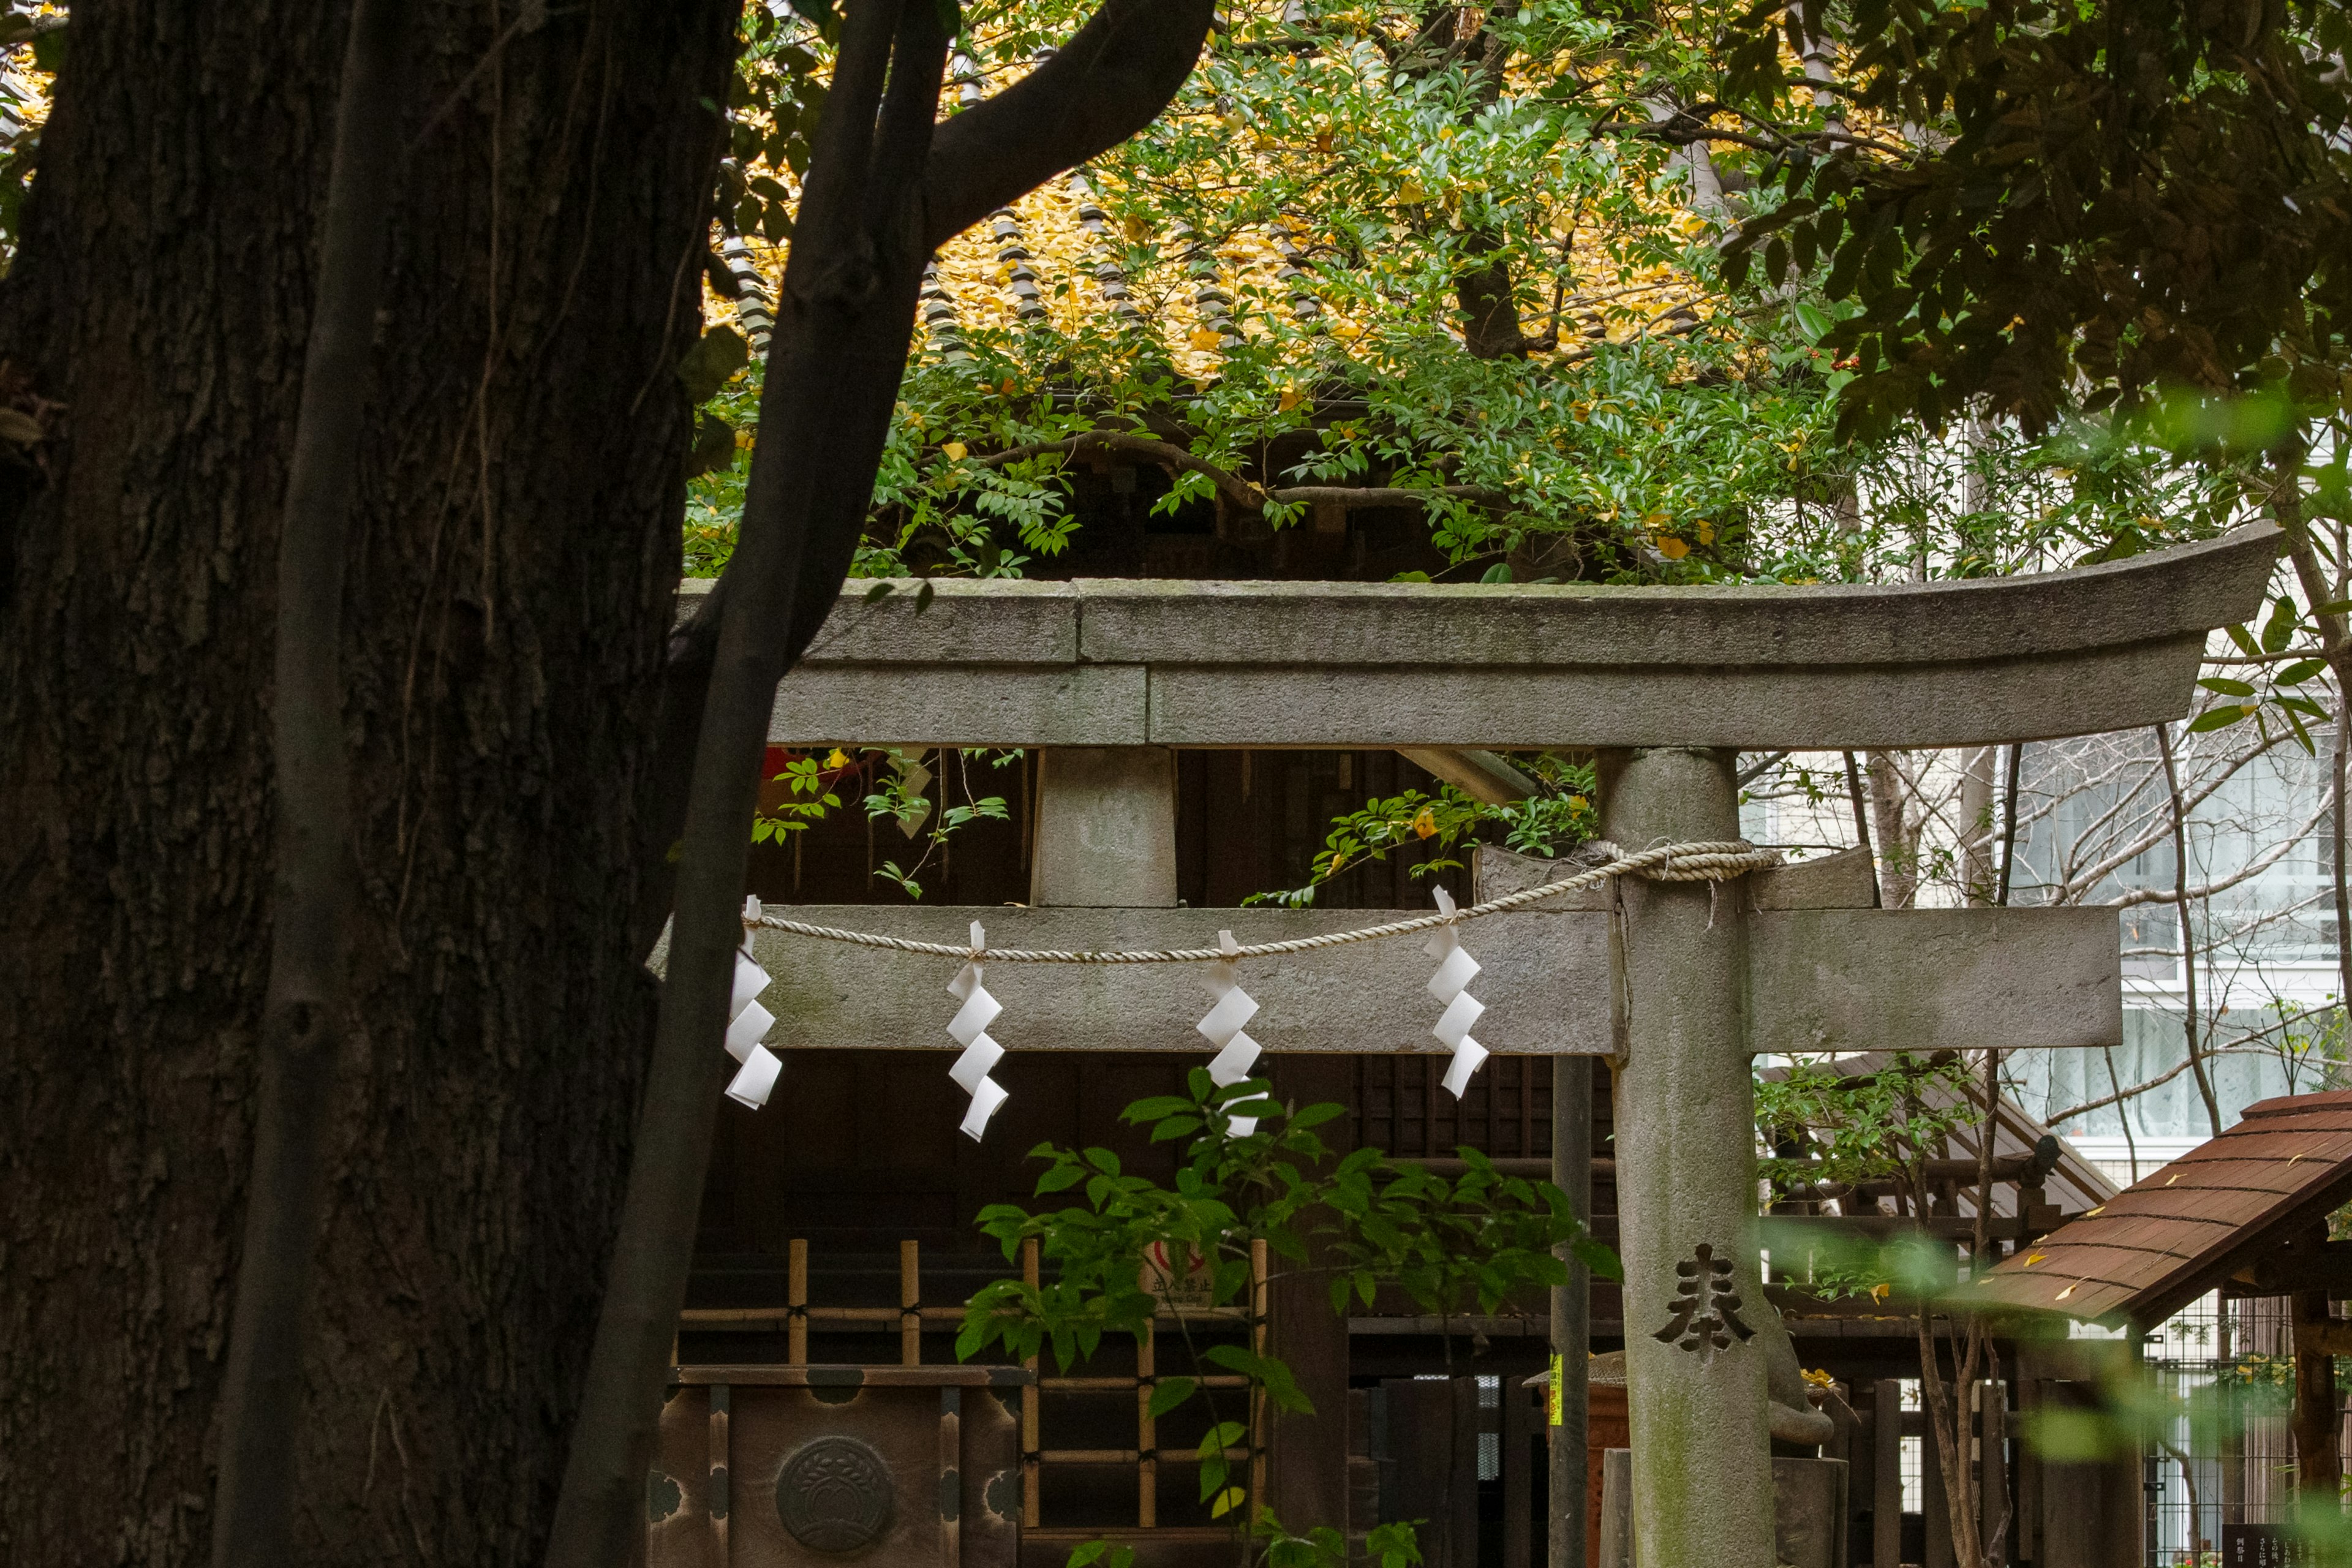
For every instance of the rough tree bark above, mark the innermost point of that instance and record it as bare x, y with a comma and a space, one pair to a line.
884, 191
514, 557
306, 1015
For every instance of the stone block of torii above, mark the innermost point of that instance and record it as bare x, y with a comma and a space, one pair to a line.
1677, 983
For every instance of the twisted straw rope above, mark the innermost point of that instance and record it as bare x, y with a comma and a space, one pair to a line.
1708, 861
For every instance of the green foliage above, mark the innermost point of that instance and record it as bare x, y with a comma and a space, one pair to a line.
1875, 1126
1126, 1241
1865, 1126
1544, 825
899, 792
805, 780
2105, 198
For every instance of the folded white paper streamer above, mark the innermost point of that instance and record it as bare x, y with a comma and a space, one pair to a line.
1454, 968
756, 1078
970, 1028
1236, 1052
748, 1022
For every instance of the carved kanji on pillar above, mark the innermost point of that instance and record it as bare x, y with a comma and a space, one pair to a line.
1705, 1308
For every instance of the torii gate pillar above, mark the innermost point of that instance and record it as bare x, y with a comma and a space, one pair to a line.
1685, 1129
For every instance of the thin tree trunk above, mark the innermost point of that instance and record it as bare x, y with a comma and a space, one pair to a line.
2188, 928
308, 1009
1861, 829
2009, 823
884, 191
2320, 595
1898, 855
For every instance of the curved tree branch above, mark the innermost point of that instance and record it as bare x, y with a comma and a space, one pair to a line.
1109, 81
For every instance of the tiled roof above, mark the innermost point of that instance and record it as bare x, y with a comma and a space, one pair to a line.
2167, 1239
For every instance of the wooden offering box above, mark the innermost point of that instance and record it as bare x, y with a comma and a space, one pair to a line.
825, 1467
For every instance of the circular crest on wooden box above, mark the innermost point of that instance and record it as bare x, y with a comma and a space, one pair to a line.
834, 1495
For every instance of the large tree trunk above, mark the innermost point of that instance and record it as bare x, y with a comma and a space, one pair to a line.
515, 548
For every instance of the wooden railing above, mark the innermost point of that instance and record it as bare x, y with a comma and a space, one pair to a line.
798, 1314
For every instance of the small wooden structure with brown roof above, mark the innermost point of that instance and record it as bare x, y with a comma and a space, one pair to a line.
2245, 1208
2245, 1213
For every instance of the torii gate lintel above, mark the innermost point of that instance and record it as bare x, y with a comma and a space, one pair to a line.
1663, 682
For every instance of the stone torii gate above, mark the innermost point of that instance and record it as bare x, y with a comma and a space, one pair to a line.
1676, 986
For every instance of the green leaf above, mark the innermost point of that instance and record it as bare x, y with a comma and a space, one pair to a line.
2298, 672
2220, 718
712, 361
2279, 630
1170, 1393
2227, 687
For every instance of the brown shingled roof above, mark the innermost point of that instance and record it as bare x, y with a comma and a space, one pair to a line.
2166, 1240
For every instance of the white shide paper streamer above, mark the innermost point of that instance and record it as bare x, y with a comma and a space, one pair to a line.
1236, 1052
969, 1027
1454, 968
748, 1023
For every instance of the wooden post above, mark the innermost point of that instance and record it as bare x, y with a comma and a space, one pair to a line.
1935, 1509
1031, 1397
1147, 1433
2318, 1470
714, 1498
1992, 1473
1257, 1433
1306, 1469
2025, 1532
796, 1302
1572, 1319
1887, 1478
910, 1303
1518, 1418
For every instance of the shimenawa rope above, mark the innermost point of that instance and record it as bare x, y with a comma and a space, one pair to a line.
1705, 861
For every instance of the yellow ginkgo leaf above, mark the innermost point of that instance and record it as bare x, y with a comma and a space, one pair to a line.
1670, 547
1339, 858
1411, 190
955, 451
836, 758
1291, 398
1425, 824
1205, 338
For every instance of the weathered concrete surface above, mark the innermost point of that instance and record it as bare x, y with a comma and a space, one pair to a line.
1927, 980
1827, 708
963, 705
1846, 879
1686, 1132
1811, 979
1106, 828
1415, 666
1540, 981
